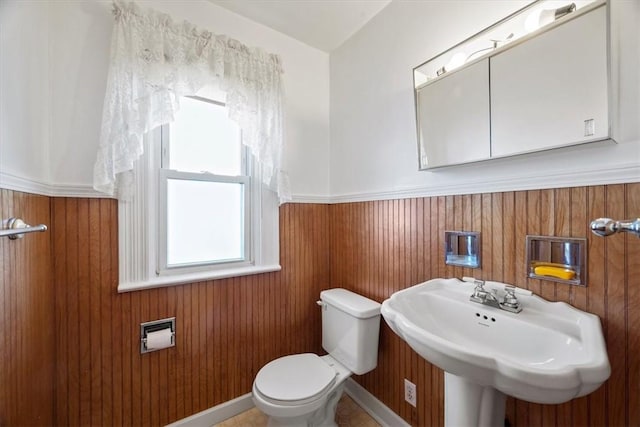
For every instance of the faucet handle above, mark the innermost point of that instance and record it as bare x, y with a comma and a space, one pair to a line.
510, 300
478, 294
479, 284
479, 290
510, 293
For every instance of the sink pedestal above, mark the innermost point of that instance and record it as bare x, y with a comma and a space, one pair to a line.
471, 405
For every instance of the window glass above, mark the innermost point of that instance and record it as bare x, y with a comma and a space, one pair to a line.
205, 222
203, 139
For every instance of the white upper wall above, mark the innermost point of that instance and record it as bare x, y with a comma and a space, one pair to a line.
57, 54
53, 69
373, 150
24, 91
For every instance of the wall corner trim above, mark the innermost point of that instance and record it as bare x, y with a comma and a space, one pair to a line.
306, 198
9, 181
620, 174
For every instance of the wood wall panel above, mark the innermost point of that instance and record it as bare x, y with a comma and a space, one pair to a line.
27, 346
226, 329
404, 247
87, 370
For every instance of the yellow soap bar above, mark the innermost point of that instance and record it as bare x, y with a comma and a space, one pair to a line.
558, 272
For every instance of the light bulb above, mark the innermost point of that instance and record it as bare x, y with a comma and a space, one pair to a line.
456, 61
541, 17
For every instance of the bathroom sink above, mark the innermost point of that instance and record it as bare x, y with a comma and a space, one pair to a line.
550, 352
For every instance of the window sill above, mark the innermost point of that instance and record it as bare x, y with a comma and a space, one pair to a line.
181, 279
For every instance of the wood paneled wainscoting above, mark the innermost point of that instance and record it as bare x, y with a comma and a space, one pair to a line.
71, 342
226, 329
380, 247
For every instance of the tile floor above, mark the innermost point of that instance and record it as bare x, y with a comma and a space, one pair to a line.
348, 414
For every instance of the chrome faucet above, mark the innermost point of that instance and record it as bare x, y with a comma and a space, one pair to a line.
482, 296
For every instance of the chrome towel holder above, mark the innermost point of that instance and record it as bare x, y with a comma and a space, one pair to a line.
606, 226
15, 228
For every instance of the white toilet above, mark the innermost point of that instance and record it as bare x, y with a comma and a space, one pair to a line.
304, 389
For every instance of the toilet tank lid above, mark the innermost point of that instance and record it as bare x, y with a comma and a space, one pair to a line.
351, 303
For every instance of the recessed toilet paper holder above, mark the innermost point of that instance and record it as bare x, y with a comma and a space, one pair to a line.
154, 326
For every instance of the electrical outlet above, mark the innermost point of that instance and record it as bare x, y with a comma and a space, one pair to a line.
410, 392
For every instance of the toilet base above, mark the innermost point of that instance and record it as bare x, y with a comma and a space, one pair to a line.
325, 416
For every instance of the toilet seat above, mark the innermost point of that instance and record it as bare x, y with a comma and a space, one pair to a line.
295, 380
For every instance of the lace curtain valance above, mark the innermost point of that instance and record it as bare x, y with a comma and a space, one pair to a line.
154, 61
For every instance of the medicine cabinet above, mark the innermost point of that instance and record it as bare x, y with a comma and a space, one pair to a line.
455, 112
534, 81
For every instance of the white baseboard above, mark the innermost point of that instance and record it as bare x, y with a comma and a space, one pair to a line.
217, 414
378, 410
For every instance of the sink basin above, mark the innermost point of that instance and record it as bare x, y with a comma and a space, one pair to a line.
550, 352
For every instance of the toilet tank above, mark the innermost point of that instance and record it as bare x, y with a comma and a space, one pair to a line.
350, 329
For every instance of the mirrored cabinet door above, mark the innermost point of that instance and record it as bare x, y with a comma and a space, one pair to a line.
552, 90
453, 117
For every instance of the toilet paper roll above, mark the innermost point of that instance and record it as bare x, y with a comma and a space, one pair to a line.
159, 339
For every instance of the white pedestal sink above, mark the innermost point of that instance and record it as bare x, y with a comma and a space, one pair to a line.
550, 352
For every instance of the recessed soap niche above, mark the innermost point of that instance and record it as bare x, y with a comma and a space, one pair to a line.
462, 248
557, 259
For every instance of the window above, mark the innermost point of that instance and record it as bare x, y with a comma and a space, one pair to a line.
207, 216
205, 190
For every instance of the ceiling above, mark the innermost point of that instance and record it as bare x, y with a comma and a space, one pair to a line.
323, 24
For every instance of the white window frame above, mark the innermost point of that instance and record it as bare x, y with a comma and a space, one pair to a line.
164, 175
139, 219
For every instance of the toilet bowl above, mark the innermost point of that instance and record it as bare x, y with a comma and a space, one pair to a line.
300, 390
304, 389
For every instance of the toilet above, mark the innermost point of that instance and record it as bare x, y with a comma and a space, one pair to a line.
304, 389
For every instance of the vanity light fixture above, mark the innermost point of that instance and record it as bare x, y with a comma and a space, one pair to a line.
514, 27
